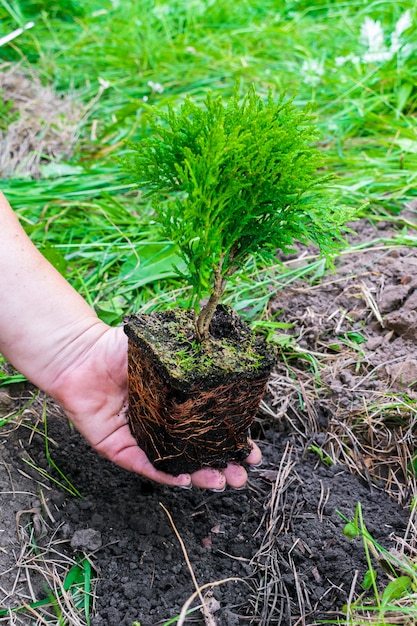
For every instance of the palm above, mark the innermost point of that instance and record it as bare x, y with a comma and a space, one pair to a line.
94, 396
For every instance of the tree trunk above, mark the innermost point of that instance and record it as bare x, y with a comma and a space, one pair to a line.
208, 310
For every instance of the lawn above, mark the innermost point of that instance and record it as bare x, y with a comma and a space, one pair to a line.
76, 84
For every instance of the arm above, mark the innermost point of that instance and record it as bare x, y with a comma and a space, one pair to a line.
51, 335
44, 323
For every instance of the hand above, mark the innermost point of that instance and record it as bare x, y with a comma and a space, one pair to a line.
51, 335
93, 393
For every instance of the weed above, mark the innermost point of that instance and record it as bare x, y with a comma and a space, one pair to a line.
383, 603
67, 582
62, 481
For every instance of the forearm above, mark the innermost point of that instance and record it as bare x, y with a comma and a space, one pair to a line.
41, 316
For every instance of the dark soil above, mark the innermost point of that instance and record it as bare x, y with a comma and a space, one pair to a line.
282, 536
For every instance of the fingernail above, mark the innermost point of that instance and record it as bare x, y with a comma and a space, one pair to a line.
218, 490
239, 488
186, 480
256, 464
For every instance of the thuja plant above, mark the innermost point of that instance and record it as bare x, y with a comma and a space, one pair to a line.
231, 180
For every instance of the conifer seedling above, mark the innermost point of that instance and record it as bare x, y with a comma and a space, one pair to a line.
231, 179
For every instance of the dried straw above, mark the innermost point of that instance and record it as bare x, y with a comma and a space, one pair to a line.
38, 125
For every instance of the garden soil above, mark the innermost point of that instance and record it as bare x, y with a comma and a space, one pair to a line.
336, 429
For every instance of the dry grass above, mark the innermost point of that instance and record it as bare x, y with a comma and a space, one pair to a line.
272, 600
374, 437
41, 565
38, 124
40, 582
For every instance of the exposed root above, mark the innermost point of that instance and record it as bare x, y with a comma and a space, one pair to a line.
183, 433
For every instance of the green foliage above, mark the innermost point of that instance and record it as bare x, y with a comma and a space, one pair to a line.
235, 179
76, 586
64, 9
385, 601
366, 111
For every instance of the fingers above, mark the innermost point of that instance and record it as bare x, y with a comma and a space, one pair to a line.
121, 448
126, 453
135, 460
255, 456
209, 478
234, 475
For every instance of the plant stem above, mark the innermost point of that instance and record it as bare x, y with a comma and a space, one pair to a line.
208, 310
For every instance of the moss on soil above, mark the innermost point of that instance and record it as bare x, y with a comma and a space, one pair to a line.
170, 337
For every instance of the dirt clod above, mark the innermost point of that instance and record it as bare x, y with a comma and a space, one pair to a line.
86, 540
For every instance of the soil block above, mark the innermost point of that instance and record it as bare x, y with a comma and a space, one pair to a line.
191, 404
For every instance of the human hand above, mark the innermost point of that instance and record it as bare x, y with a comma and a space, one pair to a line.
92, 390
51, 335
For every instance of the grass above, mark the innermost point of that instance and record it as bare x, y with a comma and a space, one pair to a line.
178, 48
113, 59
67, 584
393, 600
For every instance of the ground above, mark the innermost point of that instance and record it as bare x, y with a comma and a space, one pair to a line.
337, 428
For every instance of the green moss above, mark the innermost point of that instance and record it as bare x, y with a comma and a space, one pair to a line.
170, 336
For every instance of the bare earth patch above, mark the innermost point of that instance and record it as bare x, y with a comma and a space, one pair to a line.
361, 324
337, 427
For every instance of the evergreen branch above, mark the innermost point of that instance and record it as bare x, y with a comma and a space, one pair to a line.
236, 179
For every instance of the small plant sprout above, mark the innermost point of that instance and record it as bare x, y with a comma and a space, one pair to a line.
234, 179
385, 603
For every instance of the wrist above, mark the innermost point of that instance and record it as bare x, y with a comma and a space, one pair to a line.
45, 325
67, 349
